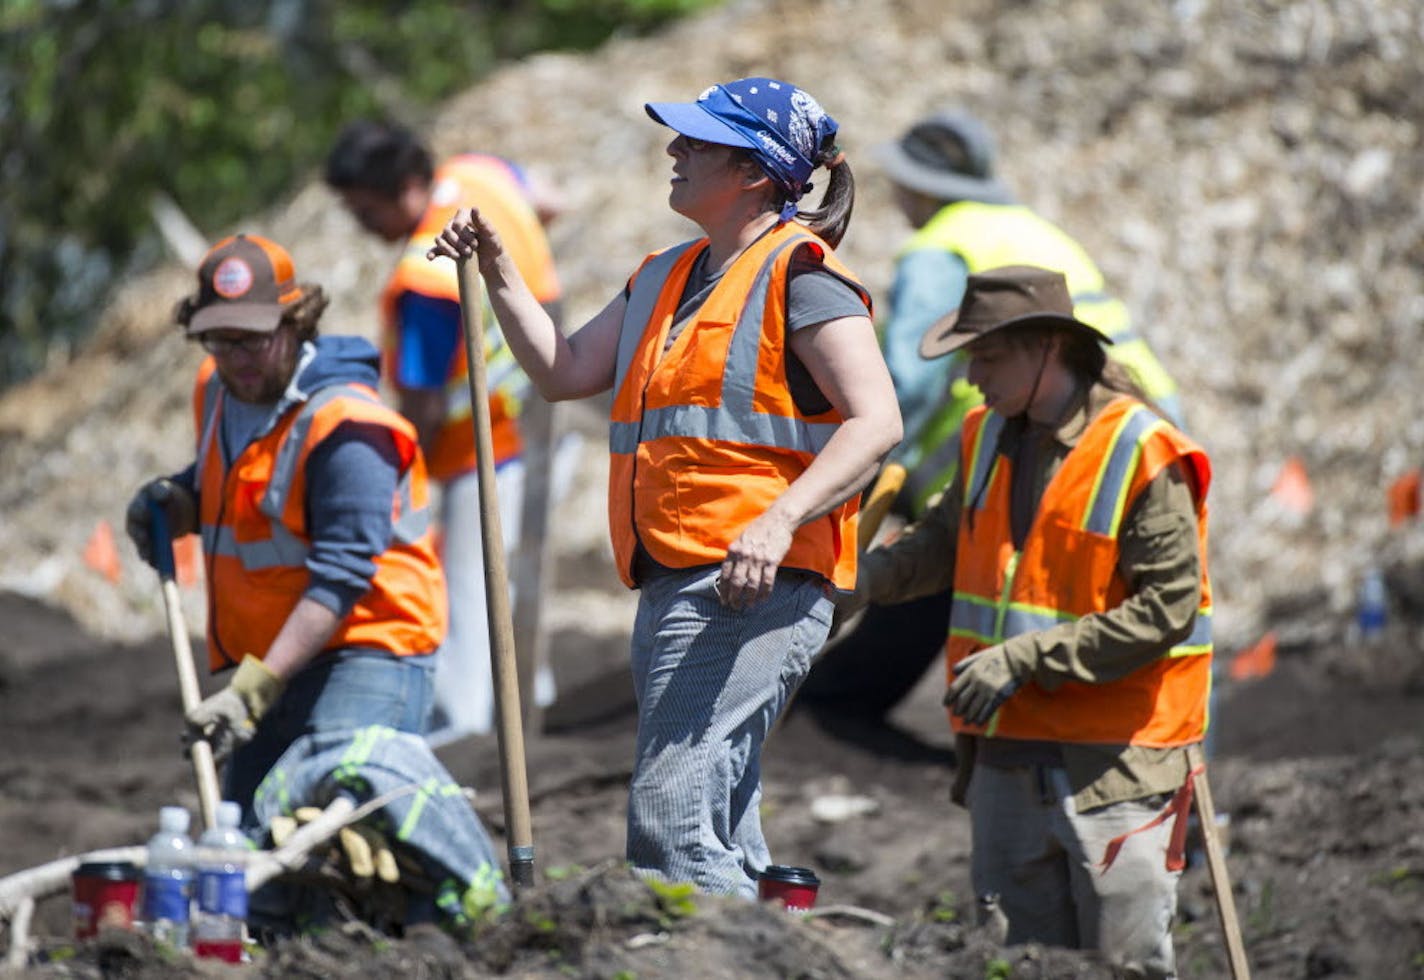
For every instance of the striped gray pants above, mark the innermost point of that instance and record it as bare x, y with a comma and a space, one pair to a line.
710, 682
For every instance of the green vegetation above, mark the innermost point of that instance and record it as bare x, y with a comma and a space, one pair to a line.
221, 105
675, 899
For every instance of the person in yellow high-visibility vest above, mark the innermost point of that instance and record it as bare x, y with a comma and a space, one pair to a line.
966, 220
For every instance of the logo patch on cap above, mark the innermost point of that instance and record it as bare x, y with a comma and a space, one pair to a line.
232, 278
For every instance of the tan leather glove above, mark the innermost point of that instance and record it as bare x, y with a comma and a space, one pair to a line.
982, 682
368, 854
229, 718
177, 502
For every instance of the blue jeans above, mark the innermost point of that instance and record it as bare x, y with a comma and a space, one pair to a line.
338, 692
710, 683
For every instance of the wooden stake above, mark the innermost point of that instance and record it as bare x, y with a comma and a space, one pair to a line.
1216, 864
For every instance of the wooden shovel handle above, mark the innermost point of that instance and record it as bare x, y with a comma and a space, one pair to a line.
508, 724
205, 771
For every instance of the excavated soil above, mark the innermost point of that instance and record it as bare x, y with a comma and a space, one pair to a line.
1249, 177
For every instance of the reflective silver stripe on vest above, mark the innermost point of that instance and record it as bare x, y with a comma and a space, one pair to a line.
411, 524
974, 617
1104, 511
283, 548
734, 419
1200, 639
642, 300
981, 469
212, 391
274, 501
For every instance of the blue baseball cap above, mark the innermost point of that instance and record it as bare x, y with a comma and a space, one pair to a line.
783, 126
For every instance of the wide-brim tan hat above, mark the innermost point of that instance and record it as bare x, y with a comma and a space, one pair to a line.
1002, 298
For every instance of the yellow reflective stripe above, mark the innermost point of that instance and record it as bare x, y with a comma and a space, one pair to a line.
983, 458
1104, 509
417, 807
1009, 570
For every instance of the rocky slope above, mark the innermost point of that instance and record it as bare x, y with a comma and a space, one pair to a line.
1248, 176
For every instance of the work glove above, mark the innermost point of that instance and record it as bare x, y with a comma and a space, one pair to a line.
177, 503
982, 682
229, 718
368, 854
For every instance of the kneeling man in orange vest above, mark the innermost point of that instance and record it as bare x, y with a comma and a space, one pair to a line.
326, 599
1079, 647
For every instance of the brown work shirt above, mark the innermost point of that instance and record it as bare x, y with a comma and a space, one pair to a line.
1158, 556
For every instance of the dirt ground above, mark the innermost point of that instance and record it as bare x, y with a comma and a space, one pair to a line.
1318, 765
1249, 177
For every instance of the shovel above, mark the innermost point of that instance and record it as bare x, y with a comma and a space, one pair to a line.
199, 751
505, 671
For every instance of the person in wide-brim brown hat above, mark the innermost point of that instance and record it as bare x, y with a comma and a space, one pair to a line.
997, 299
1073, 539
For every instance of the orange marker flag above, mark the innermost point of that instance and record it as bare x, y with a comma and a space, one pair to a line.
1403, 498
101, 554
1255, 661
188, 559
1292, 488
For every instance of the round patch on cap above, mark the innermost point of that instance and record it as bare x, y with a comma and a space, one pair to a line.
232, 278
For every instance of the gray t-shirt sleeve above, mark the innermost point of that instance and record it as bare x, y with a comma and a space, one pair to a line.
814, 295
351, 479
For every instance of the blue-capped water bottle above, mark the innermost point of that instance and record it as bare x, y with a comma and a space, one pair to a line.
1372, 604
222, 888
168, 878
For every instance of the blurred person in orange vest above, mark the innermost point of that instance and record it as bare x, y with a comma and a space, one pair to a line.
325, 597
750, 404
388, 180
1079, 642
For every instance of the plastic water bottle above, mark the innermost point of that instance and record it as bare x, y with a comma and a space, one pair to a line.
168, 878
1373, 604
222, 889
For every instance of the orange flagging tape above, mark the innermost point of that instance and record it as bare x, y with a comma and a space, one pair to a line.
188, 560
1292, 489
101, 554
1177, 809
1257, 660
1403, 498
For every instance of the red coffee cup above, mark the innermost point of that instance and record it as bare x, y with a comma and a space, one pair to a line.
104, 896
794, 887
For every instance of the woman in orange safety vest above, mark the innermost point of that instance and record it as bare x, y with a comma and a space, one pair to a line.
750, 404
1079, 636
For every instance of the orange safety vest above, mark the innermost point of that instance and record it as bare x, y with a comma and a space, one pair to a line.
1068, 569
490, 184
704, 439
253, 521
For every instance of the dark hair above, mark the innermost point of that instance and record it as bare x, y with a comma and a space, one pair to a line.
377, 156
303, 314
1087, 359
832, 218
